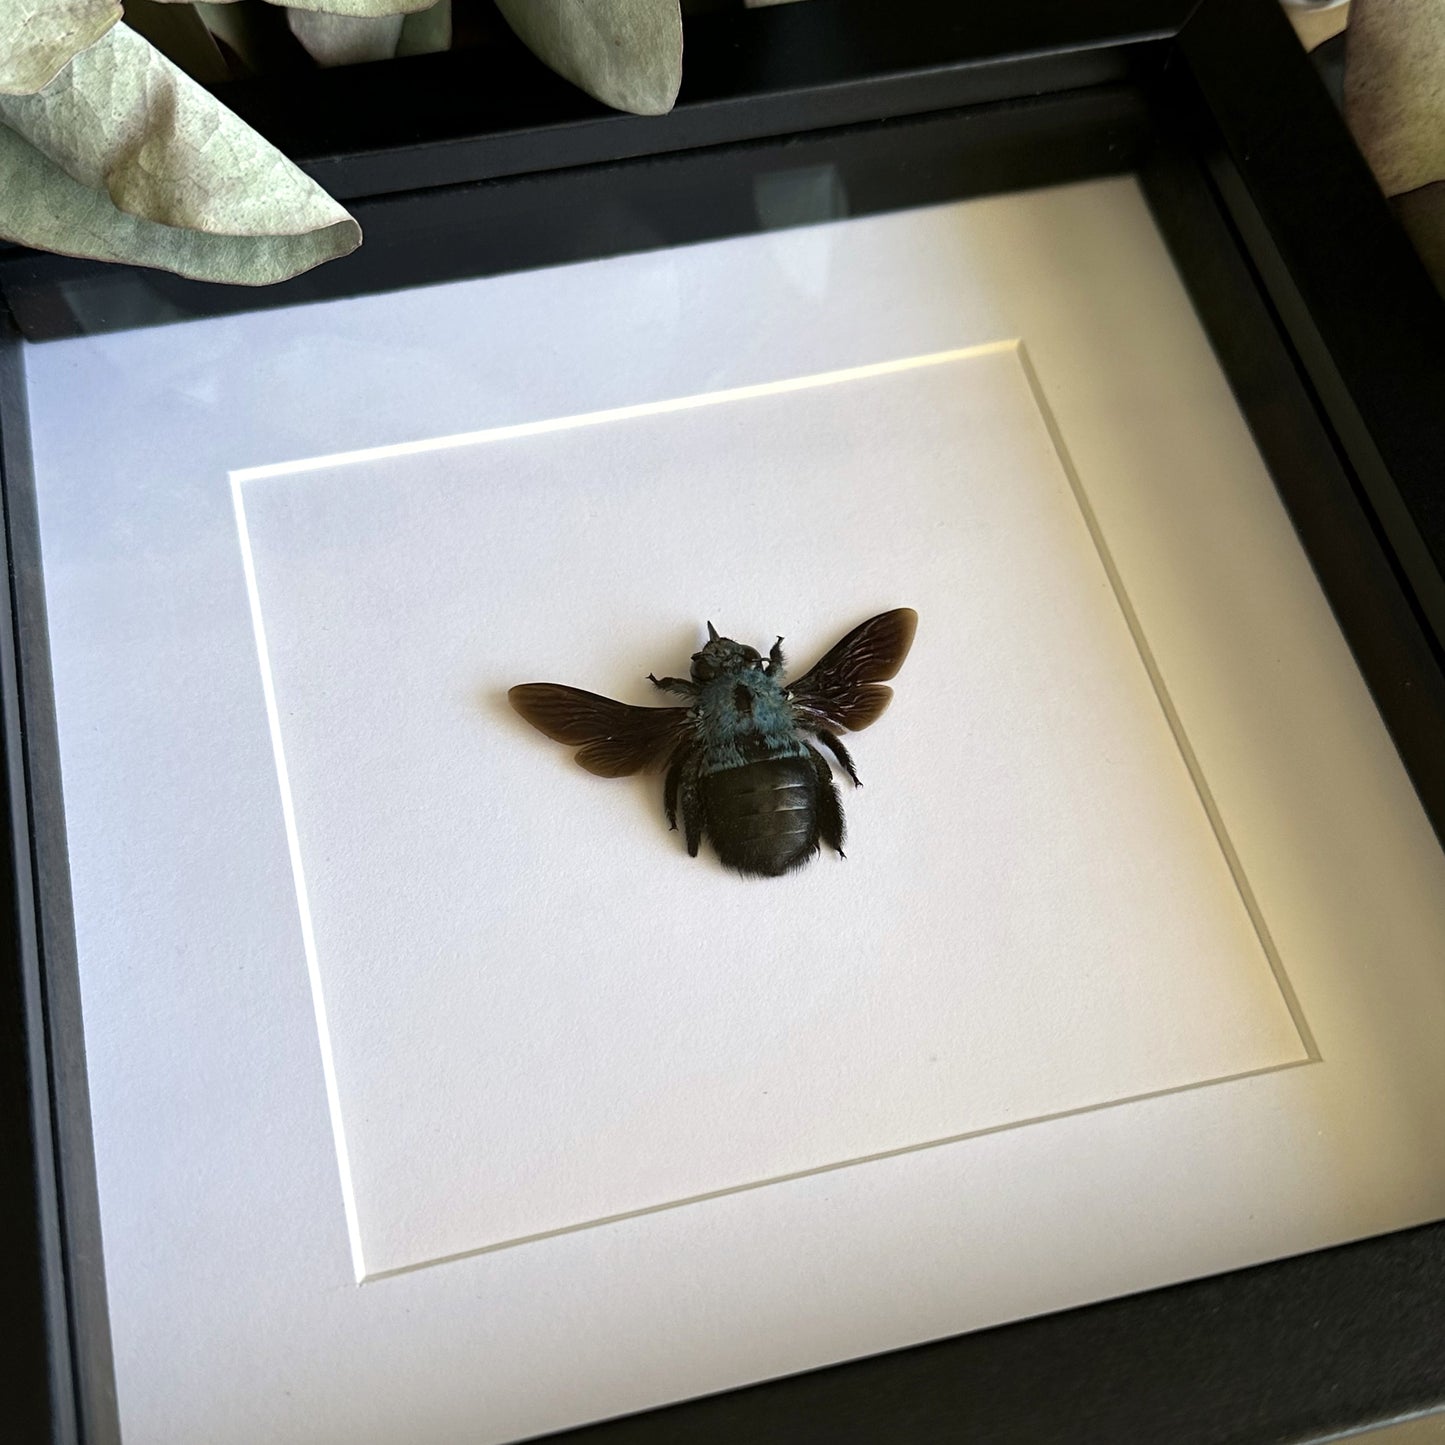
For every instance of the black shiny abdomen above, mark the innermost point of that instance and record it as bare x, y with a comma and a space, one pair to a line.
764, 817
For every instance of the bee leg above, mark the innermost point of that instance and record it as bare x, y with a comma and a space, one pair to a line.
677, 764
691, 798
834, 744
775, 660
830, 810
674, 684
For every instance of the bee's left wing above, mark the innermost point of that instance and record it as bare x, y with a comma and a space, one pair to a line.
845, 689
612, 739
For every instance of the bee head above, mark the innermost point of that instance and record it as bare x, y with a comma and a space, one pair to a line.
722, 656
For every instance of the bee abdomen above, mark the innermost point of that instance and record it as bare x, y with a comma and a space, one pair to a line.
763, 816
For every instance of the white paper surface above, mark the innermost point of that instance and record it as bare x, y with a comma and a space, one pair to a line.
540, 1012
235, 1312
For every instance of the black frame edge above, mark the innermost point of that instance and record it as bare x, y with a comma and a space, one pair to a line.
1347, 291
40, 1404
457, 232
1345, 1338
473, 115
1225, 264
61, 1251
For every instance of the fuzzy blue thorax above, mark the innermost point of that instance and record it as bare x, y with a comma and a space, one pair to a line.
742, 717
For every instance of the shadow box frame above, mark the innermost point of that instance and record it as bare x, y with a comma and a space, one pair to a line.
1330, 333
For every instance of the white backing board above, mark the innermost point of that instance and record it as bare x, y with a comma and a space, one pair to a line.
232, 1275
540, 1013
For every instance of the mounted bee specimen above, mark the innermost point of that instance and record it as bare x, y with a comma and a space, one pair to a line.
740, 767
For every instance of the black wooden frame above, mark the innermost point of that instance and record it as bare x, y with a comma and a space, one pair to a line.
1333, 339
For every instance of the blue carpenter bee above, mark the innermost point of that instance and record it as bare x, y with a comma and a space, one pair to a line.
738, 765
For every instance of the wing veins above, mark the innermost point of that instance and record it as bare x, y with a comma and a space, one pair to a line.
844, 688
613, 739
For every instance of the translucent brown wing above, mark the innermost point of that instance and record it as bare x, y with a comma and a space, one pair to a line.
844, 690
612, 739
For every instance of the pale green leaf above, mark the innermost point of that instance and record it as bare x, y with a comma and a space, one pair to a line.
1395, 89
333, 39
39, 37
345, 39
626, 53
41, 206
360, 9
125, 158
426, 31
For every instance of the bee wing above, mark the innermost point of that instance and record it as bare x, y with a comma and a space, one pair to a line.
844, 690
612, 739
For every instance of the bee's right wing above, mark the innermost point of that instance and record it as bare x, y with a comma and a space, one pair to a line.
612, 739
844, 689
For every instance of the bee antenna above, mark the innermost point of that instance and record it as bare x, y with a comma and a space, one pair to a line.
711, 633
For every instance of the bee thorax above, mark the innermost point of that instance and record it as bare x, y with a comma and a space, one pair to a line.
742, 719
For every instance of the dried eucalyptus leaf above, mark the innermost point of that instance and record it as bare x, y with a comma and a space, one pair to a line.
626, 53
41, 206
361, 9
124, 157
1395, 89
38, 38
345, 39
426, 31
358, 9
123, 119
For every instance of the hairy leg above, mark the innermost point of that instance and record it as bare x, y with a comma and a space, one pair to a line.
677, 765
834, 744
690, 802
830, 810
679, 685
